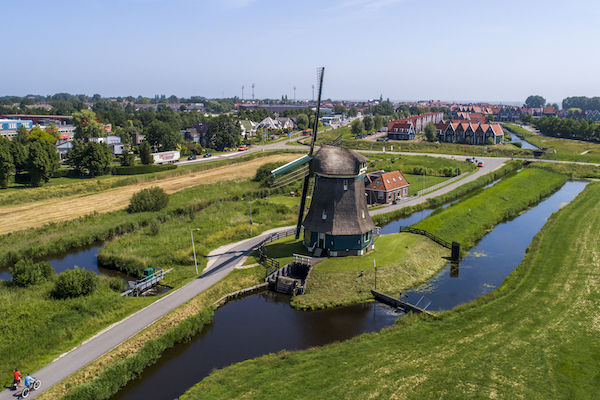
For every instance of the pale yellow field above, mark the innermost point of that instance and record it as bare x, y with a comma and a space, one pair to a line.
22, 216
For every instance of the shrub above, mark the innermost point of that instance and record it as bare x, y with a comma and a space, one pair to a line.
117, 284
263, 174
152, 199
26, 272
518, 144
154, 227
74, 283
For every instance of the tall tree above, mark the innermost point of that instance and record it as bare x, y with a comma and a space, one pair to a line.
163, 136
127, 158
357, 126
223, 132
19, 155
302, 121
535, 101
37, 133
43, 162
86, 125
21, 136
368, 123
7, 167
430, 132
378, 122
96, 158
145, 153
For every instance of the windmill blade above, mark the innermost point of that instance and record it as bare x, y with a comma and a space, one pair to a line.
320, 73
302, 205
291, 177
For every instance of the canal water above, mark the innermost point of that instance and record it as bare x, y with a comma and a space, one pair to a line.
265, 323
83, 257
525, 144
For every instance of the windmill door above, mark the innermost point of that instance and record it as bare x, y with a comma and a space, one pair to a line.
321, 241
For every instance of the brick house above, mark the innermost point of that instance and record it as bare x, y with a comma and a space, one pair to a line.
385, 187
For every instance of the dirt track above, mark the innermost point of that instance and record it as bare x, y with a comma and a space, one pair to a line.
22, 216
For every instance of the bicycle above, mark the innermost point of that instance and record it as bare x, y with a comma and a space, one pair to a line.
33, 386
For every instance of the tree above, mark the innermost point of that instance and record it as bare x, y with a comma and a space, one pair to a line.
352, 112
37, 133
74, 283
21, 136
42, 162
86, 125
430, 132
535, 101
357, 127
163, 136
378, 122
127, 158
224, 132
302, 121
527, 118
95, 158
19, 155
368, 123
25, 272
7, 167
383, 108
339, 109
145, 153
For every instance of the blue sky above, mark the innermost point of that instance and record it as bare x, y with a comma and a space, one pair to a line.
500, 50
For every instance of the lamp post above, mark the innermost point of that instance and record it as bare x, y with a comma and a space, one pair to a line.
251, 201
194, 248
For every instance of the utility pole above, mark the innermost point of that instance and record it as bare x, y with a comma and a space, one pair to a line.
242, 92
313, 91
294, 94
253, 92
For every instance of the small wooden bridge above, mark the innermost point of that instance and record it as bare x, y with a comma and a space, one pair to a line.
147, 282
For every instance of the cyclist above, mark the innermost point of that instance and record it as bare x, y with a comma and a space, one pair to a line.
29, 381
17, 378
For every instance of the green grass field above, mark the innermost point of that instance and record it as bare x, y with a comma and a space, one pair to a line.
405, 261
559, 149
535, 337
469, 220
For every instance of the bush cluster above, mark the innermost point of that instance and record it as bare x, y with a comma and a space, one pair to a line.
263, 174
152, 199
74, 283
26, 272
118, 374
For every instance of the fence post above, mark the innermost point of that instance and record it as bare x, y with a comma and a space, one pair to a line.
455, 251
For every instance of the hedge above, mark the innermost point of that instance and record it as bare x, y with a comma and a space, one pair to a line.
141, 169
118, 374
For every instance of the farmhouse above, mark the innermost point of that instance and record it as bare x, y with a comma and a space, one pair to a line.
385, 187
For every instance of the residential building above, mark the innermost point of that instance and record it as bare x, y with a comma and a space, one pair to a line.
248, 128
286, 123
385, 187
269, 124
472, 133
113, 143
63, 147
8, 127
334, 120
399, 130
198, 133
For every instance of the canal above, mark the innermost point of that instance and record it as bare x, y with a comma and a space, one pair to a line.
265, 323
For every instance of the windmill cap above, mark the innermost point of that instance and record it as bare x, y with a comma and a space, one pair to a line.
338, 161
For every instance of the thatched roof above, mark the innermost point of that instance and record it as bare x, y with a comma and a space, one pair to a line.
345, 208
337, 161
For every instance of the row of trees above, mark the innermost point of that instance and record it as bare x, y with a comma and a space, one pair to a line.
581, 102
367, 124
568, 128
33, 154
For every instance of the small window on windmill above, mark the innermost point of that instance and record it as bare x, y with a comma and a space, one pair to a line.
324, 215
363, 213
345, 185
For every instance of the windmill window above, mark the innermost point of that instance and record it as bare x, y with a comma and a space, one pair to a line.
363, 213
324, 215
345, 185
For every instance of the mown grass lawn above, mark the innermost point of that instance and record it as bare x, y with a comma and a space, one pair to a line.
467, 221
403, 261
536, 337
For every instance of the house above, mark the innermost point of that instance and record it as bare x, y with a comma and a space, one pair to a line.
138, 138
385, 187
113, 143
334, 120
418, 123
269, 124
287, 123
401, 131
63, 147
549, 112
472, 133
198, 133
248, 128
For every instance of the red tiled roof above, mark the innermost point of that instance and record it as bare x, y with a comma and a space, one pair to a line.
387, 180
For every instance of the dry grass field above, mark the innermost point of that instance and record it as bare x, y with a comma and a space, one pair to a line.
23, 216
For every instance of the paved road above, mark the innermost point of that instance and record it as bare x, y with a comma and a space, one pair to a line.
220, 262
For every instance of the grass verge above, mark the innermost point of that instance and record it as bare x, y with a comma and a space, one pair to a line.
537, 336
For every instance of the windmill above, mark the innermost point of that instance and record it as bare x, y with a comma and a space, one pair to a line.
338, 221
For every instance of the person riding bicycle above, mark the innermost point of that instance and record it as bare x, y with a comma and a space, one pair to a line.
29, 380
17, 377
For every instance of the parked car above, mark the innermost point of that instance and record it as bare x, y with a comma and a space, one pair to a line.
469, 159
480, 164
206, 155
382, 139
192, 157
242, 147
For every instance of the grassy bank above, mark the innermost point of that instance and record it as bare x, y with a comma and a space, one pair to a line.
106, 375
405, 261
559, 149
65, 186
535, 337
469, 220
37, 328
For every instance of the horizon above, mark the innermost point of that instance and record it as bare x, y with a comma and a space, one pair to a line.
401, 49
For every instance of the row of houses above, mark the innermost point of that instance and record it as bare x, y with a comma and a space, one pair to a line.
469, 132
406, 128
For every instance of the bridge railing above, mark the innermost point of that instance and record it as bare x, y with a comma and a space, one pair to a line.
272, 265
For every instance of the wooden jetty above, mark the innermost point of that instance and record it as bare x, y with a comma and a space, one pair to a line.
397, 303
